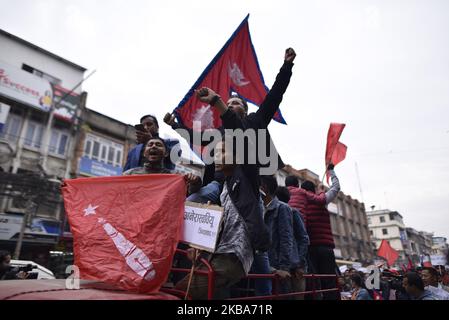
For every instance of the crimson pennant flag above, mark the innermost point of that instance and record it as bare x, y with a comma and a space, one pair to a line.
234, 69
410, 264
387, 252
125, 229
335, 150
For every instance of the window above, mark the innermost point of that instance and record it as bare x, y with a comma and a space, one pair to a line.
96, 150
371, 232
33, 135
11, 130
118, 158
104, 150
41, 74
111, 155
87, 148
103, 154
58, 142
384, 231
369, 220
382, 219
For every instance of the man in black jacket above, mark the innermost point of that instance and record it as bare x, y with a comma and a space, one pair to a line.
235, 115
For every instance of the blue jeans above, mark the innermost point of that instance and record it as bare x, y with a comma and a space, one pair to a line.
210, 192
261, 265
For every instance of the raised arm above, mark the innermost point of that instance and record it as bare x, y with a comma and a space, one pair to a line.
332, 193
271, 103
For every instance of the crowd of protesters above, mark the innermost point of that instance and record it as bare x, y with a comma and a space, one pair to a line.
261, 233
420, 283
268, 229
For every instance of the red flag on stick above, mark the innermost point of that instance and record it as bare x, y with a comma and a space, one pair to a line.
335, 150
387, 252
125, 229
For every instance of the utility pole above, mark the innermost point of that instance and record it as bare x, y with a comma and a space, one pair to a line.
29, 210
358, 179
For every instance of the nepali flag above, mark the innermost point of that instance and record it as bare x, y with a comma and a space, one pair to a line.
234, 69
125, 229
335, 150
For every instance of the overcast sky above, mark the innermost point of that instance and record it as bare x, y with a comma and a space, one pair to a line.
381, 67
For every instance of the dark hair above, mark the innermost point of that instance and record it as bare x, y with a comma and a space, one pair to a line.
245, 104
283, 194
415, 280
158, 138
308, 185
270, 183
433, 272
291, 181
150, 116
3, 255
357, 279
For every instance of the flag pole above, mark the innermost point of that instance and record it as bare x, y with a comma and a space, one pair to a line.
325, 170
195, 256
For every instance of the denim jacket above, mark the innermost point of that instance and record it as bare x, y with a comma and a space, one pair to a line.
279, 220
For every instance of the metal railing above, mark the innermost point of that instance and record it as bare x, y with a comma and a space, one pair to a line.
210, 273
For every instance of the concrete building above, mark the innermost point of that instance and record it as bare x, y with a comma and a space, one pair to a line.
39, 110
389, 225
439, 246
440, 251
419, 244
348, 220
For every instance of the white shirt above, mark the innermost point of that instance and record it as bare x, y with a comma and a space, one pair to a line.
438, 292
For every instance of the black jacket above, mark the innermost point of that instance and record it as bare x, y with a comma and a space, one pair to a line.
244, 184
262, 117
245, 196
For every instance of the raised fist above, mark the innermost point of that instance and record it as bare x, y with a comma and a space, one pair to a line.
290, 55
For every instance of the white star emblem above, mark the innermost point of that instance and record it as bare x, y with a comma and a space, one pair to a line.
90, 210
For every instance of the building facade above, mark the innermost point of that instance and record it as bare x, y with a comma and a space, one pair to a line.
389, 225
348, 220
40, 101
419, 244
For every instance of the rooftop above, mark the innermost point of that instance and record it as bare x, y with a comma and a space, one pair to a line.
37, 48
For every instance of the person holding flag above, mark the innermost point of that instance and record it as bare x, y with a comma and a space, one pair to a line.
234, 113
312, 203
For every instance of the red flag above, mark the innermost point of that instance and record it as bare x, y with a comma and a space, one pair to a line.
387, 252
426, 263
235, 68
125, 229
335, 150
410, 264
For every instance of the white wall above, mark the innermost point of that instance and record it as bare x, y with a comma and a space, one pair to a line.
16, 54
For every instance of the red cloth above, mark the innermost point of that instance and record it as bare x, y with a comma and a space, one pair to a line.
335, 150
315, 214
234, 68
410, 264
387, 252
125, 229
298, 201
